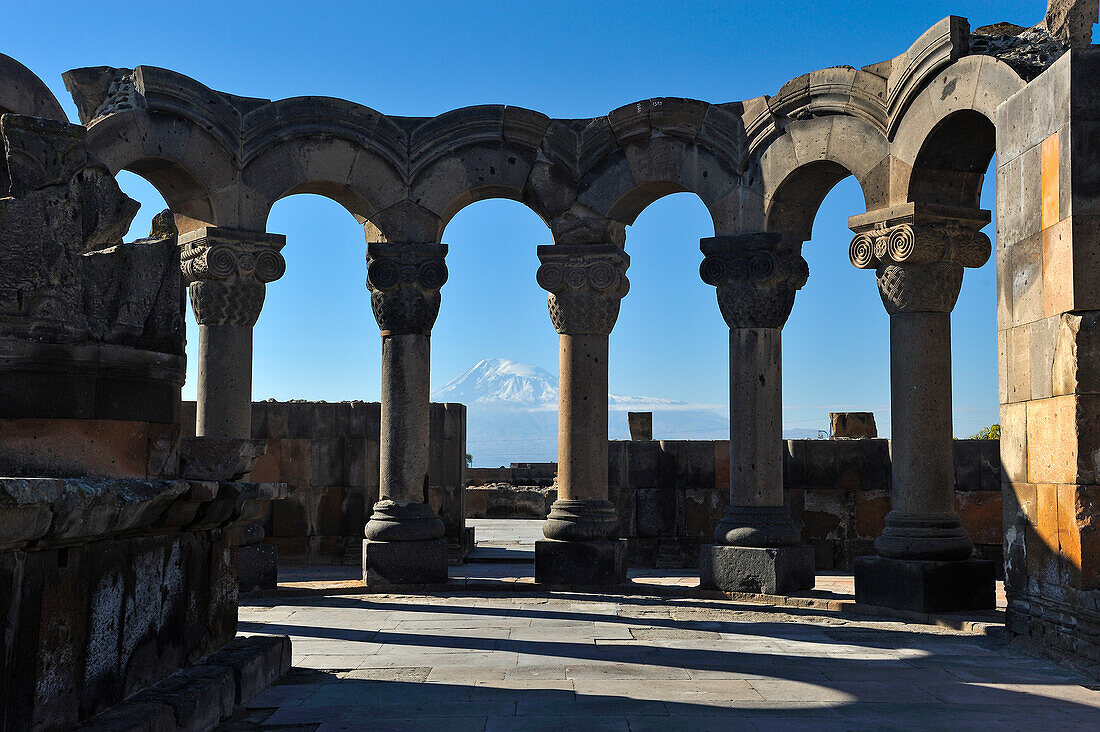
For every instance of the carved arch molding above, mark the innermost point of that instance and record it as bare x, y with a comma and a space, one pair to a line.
224, 160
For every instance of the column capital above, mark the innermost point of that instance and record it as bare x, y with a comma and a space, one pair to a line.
227, 271
404, 281
757, 276
586, 283
918, 252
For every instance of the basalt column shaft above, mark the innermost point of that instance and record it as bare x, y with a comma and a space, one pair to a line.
918, 253
757, 546
586, 284
404, 537
227, 271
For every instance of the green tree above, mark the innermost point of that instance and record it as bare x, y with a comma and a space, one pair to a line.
469, 460
992, 432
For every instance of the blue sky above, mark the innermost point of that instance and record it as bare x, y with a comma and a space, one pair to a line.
316, 337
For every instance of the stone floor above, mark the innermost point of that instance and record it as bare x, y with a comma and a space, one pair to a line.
495, 652
531, 661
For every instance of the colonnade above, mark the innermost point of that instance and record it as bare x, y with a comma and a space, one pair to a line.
918, 254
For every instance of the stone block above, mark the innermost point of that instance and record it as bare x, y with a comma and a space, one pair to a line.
404, 562
925, 587
364, 419
278, 420
654, 512
297, 465
871, 510
989, 465
328, 462
75, 448
288, 516
698, 512
691, 462
590, 563
980, 512
967, 465
1044, 336
1062, 432
1076, 353
770, 571
258, 567
641, 425
848, 464
1019, 363
853, 425
1013, 443
353, 516
813, 463
722, 467
643, 464
259, 420
268, 468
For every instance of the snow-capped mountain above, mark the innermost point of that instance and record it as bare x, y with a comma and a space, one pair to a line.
512, 413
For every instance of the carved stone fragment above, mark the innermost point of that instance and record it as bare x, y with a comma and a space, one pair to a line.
586, 284
757, 277
228, 270
404, 282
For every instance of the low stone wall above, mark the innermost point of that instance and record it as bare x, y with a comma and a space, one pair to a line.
111, 585
501, 500
327, 454
525, 474
670, 494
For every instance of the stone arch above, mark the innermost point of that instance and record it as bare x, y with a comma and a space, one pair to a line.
22, 92
190, 170
472, 154
343, 151
798, 169
946, 137
657, 147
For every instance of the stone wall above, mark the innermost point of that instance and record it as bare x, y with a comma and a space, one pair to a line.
327, 454
670, 494
1048, 204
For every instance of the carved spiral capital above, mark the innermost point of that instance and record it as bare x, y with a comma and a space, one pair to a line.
586, 284
227, 270
920, 288
404, 282
961, 243
756, 276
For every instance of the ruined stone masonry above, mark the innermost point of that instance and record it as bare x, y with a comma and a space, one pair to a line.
101, 521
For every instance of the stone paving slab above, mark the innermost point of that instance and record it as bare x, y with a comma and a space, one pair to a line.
574, 660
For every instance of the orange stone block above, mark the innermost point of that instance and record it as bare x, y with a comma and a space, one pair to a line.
1062, 432
1042, 538
268, 468
79, 448
871, 510
981, 515
1050, 183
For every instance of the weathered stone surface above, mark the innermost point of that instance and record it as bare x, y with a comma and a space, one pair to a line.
404, 562
925, 587
588, 563
771, 571
641, 425
213, 458
852, 425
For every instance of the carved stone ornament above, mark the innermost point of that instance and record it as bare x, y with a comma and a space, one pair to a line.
586, 284
918, 254
756, 276
404, 282
227, 271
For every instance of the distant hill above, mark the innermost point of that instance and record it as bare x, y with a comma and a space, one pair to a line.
512, 414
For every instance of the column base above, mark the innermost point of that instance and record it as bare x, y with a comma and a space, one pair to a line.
404, 562
580, 562
925, 586
767, 570
258, 567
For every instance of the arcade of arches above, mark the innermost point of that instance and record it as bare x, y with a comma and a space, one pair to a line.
917, 132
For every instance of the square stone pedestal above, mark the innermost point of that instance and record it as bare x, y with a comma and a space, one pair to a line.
771, 571
257, 567
925, 587
580, 562
404, 562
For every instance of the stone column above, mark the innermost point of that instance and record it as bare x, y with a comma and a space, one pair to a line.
757, 548
404, 536
923, 562
227, 271
586, 284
